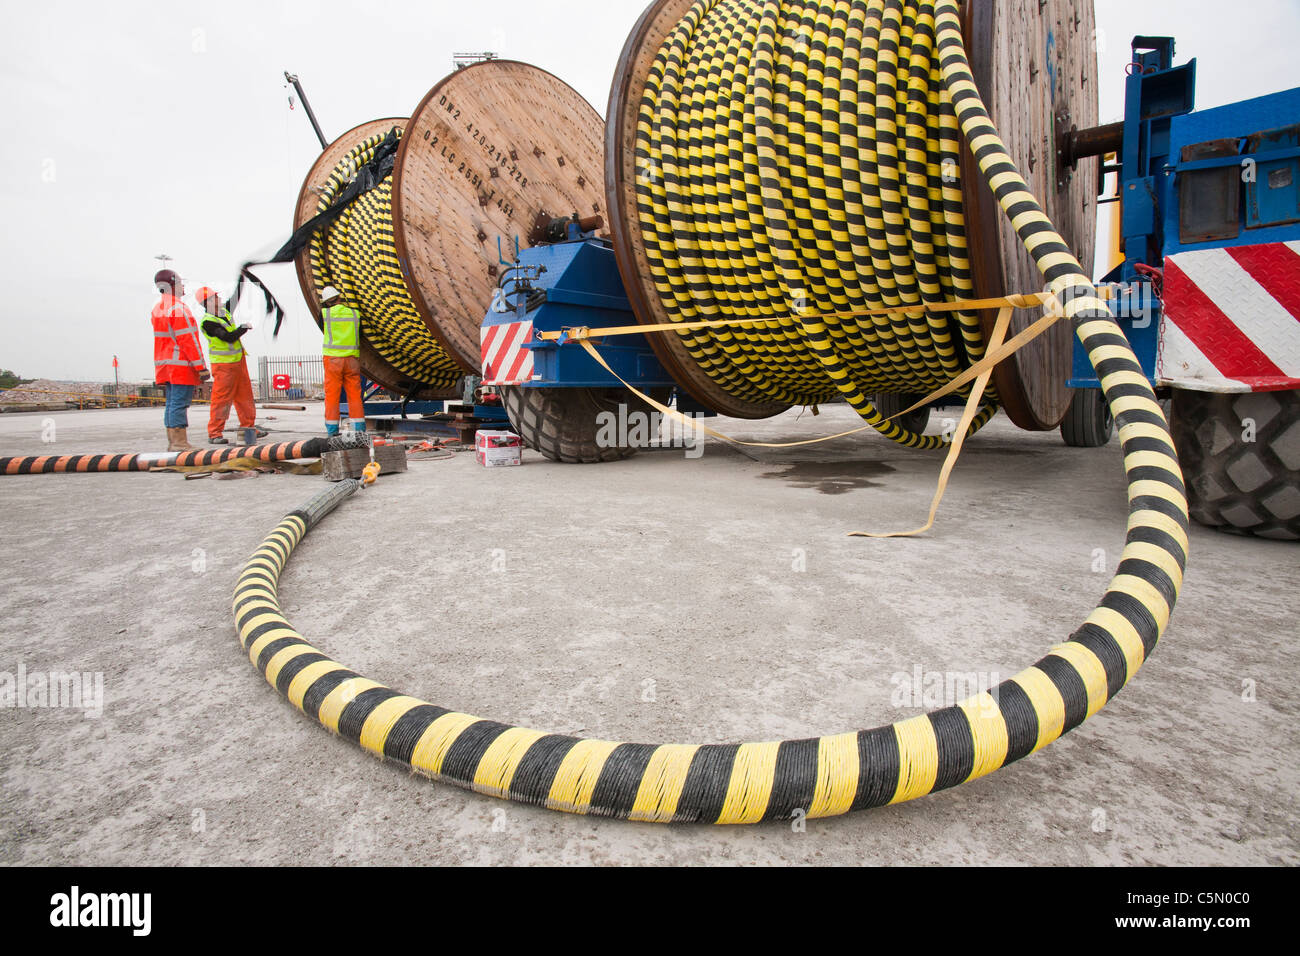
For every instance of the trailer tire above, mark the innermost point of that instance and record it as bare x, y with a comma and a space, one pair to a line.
1087, 422
561, 423
891, 403
1233, 483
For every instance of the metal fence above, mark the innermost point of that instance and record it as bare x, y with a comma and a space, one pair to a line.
302, 376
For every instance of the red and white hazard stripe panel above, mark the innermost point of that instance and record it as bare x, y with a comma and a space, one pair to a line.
1231, 319
505, 360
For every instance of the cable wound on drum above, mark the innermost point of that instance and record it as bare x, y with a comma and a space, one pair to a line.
356, 254
798, 162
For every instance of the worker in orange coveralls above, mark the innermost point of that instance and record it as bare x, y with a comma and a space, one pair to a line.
230, 382
177, 356
342, 354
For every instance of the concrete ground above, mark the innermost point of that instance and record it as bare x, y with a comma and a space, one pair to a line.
656, 599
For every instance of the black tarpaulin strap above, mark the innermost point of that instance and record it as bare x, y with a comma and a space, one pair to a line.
367, 178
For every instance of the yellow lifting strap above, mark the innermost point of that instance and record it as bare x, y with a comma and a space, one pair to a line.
980, 372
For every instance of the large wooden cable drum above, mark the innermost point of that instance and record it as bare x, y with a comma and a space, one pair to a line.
375, 366
491, 151
1034, 62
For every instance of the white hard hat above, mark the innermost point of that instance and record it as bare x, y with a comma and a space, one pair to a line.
329, 292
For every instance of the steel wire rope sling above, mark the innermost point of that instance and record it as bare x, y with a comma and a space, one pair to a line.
822, 776
356, 254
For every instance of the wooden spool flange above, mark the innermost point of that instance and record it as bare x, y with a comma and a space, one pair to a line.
1036, 68
490, 151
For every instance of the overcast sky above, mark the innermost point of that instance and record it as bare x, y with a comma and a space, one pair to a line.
133, 129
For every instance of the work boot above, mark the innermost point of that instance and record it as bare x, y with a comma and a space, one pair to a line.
332, 430
218, 440
178, 440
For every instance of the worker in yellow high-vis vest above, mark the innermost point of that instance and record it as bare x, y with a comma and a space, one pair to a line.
342, 352
226, 355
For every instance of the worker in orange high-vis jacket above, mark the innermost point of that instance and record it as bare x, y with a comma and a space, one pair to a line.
230, 381
341, 324
177, 357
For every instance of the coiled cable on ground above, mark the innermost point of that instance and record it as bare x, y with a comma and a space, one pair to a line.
820, 776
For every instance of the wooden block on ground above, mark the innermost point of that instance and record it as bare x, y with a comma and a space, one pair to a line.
347, 463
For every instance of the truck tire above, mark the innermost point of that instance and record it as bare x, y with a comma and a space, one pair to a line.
562, 424
1087, 422
891, 403
1233, 483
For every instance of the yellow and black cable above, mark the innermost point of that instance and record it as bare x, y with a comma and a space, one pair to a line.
799, 162
819, 776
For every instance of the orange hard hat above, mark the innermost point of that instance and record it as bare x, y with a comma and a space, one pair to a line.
204, 293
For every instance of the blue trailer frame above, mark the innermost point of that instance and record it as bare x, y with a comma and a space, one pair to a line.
567, 284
